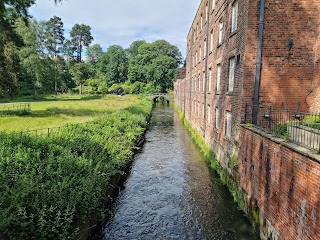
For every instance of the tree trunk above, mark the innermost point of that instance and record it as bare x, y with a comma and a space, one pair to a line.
80, 88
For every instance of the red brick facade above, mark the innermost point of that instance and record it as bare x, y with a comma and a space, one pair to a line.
284, 184
290, 73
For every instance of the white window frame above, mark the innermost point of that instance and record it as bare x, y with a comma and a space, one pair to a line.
209, 115
205, 48
204, 82
229, 125
218, 87
210, 80
200, 52
207, 12
211, 41
232, 63
213, 4
234, 22
217, 113
196, 58
203, 110
199, 83
220, 32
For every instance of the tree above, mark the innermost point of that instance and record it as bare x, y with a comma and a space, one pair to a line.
54, 41
80, 72
94, 53
155, 63
9, 68
114, 63
133, 49
36, 65
80, 38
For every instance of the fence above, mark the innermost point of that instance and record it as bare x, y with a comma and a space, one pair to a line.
295, 126
46, 132
15, 107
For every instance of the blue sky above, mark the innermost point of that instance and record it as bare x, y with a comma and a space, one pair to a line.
123, 21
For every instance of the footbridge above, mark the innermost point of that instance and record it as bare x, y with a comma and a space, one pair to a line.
158, 95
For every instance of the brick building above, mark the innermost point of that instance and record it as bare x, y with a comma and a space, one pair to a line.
248, 52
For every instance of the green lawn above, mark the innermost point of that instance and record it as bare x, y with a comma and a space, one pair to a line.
56, 111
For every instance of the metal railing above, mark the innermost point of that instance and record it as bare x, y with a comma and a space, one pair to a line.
295, 126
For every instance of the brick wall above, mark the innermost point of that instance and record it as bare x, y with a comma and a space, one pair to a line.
285, 184
287, 76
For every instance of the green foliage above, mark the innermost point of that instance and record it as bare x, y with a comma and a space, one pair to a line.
59, 181
210, 157
155, 63
80, 71
80, 37
114, 64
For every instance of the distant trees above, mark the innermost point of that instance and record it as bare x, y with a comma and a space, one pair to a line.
36, 58
156, 63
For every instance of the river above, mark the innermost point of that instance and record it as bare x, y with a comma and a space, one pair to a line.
171, 193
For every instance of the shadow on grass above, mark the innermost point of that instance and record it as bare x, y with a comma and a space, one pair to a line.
52, 98
50, 112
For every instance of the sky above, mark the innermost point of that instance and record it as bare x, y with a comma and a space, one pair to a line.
121, 22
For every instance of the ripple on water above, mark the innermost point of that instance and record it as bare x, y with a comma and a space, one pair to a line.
170, 195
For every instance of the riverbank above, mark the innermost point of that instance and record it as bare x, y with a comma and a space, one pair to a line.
52, 185
230, 180
171, 193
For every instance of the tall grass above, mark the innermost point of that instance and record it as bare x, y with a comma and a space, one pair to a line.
50, 186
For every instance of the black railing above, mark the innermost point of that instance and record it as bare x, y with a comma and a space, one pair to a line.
295, 126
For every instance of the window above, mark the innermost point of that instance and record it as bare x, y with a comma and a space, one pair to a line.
229, 125
194, 35
218, 77
207, 12
197, 29
210, 79
199, 83
205, 48
209, 115
220, 32
234, 24
213, 4
193, 61
198, 109
196, 57
201, 22
204, 82
195, 83
211, 41
231, 74
203, 111
200, 54
217, 119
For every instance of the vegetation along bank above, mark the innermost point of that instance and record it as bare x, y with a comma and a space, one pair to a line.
51, 185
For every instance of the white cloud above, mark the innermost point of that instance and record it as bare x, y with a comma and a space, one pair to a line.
123, 21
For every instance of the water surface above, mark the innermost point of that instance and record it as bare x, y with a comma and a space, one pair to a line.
171, 194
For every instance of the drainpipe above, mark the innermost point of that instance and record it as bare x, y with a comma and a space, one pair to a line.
206, 72
258, 65
191, 64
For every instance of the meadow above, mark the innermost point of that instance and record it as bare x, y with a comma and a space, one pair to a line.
55, 111
51, 185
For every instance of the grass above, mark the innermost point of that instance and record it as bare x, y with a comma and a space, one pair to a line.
56, 111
